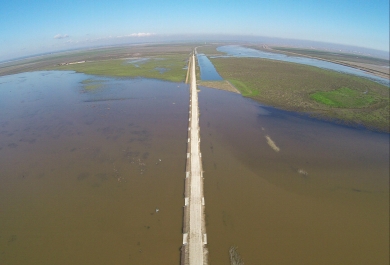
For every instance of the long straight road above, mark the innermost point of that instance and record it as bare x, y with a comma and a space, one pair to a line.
194, 234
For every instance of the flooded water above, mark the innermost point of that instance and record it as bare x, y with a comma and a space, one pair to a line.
207, 69
161, 70
83, 171
317, 193
86, 161
238, 51
137, 62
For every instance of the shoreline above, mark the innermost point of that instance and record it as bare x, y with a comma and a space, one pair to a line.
344, 63
293, 87
319, 114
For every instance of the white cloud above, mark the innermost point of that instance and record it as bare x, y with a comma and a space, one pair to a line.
140, 34
59, 36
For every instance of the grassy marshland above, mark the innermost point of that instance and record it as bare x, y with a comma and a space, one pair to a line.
344, 98
171, 64
51, 61
209, 49
324, 93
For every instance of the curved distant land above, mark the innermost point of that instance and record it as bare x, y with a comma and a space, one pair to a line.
375, 66
318, 92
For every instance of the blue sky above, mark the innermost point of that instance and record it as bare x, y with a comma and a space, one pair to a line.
35, 26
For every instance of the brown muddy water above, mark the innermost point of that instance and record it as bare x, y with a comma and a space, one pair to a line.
81, 177
287, 189
82, 172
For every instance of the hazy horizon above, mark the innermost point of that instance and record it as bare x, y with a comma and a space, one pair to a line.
180, 39
43, 26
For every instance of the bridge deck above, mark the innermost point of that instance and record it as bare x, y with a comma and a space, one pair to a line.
194, 251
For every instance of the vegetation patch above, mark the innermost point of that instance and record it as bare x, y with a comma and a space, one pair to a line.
209, 49
90, 81
49, 62
322, 93
92, 84
172, 66
344, 98
243, 88
222, 85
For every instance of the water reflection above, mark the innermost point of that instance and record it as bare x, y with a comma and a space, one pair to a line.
207, 69
238, 51
137, 61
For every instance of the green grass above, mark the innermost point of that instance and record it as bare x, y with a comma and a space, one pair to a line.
343, 98
121, 68
210, 49
91, 84
243, 88
323, 93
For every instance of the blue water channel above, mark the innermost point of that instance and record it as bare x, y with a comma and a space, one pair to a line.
207, 69
238, 51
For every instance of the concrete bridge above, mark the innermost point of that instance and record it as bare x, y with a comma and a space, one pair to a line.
194, 250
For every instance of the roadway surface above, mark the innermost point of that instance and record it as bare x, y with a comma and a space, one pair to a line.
196, 235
